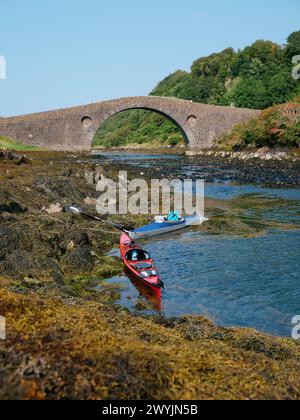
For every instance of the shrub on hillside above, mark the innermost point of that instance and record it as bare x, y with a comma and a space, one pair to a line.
278, 126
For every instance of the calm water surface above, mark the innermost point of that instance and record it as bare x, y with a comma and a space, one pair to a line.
235, 281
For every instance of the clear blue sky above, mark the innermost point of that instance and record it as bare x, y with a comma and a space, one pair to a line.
68, 52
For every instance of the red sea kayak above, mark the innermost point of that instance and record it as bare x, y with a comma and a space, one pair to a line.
140, 265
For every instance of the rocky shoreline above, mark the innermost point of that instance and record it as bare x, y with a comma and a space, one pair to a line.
65, 340
213, 166
270, 173
263, 154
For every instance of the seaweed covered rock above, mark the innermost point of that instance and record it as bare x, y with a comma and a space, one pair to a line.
24, 253
95, 351
10, 156
80, 260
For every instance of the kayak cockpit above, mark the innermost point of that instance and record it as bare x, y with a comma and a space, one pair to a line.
135, 255
141, 262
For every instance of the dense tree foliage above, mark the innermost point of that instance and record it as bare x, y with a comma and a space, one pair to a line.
257, 77
293, 46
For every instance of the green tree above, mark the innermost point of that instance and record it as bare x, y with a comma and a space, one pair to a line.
254, 60
176, 84
248, 93
280, 87
293, 46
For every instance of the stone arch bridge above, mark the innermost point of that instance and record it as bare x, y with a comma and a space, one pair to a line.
73, 129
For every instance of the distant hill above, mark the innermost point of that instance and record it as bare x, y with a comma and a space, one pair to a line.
258, 77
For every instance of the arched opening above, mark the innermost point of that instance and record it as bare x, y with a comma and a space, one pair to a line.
86, 122
140, 127
192, 120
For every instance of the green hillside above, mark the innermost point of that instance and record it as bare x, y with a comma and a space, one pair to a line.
258, 77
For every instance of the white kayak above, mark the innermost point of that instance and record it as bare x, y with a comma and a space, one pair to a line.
155, 229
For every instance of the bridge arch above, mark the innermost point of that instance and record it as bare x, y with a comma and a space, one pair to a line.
167, 116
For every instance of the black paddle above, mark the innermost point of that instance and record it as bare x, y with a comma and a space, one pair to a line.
77, 210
